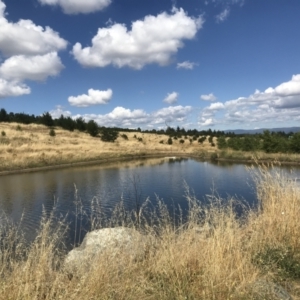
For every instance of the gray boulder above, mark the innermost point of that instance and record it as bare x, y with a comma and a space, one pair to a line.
110, 242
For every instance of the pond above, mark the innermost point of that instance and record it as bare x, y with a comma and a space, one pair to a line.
26, 196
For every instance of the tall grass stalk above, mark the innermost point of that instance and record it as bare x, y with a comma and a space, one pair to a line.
213, 254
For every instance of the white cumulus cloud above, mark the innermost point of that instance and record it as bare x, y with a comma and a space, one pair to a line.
12, 89
209, 97
289, 88
78, 6
133, 118
171, 114
121, 117
30, 51
216, 106
37, 68
171, 98
93, 97
186, 65
58, 111
26, 38
278, 105
153, 40
207, 122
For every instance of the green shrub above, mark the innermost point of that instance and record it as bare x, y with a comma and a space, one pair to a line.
161, 142
52, 132
140, 139
3, 133
181, 141
170, 141
19, 128
222, 142
92, 128
280, 260
124, 136
202, 139
109, 134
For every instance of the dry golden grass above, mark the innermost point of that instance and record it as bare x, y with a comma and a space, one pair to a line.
32, 146
180, 262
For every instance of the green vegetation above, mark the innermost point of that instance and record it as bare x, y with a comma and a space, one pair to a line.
124, 136
92, 128
280, 260
52, 132
80, 124
46, 119
202, 139
108, 134
268, 142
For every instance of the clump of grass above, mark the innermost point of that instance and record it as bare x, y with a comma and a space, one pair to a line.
3, 133
212, 254
280, 260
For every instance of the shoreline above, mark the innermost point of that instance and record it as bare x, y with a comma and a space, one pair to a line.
95, 162
127, 157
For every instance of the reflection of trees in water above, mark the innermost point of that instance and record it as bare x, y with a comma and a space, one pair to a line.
176, 159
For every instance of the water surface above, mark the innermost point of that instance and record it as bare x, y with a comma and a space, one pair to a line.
29, 194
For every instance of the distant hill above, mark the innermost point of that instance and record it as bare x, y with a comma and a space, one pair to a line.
261, 130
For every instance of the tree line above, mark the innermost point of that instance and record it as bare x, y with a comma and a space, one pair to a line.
67, 123
269, 142
93, 128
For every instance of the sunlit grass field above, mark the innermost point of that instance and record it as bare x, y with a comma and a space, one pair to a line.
226, 260
29, 146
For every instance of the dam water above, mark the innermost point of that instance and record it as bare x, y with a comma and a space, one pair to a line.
76, 193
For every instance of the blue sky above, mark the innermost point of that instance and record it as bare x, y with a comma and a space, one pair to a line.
220, 64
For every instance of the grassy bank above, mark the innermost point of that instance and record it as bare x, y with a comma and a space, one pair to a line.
24, 147
224, 262
31, 146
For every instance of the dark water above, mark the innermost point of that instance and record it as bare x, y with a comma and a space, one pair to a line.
29, 194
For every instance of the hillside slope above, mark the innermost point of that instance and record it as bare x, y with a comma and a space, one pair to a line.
30, 146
